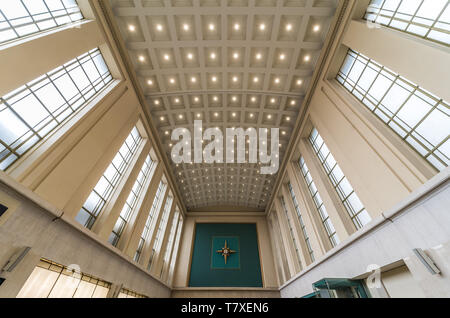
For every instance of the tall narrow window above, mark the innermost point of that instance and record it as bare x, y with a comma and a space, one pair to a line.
160, 232
144, 236
19, 18
348, 197
429, 19
173, 259
418, 117
302, 223
132, 201
170, 241
109, 181
291, 230
326, 221
31, 112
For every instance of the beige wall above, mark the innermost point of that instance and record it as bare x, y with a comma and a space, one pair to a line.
182, 271
60, 241
399, 283
420, 221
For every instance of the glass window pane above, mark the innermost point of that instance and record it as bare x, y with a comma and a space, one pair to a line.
425, 18
321, 210
26, 17
104, 188
417, 116
31, 112
343, 188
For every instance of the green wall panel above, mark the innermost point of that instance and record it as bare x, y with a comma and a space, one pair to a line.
208, 268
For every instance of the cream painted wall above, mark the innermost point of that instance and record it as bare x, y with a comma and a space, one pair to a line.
420, 221
182, 271
399, 283
59, 241
427, 64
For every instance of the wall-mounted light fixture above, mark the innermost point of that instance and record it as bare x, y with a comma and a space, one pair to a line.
427, 261
15, 259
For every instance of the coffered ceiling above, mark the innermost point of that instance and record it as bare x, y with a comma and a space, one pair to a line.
235, 63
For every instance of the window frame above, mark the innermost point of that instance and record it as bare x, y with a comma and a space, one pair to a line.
426, 150
377, 12
291, 230
112, 185
12, 27
301, 221
331, 233
39, 132
336, 184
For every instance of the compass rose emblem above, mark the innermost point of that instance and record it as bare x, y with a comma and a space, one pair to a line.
226, 252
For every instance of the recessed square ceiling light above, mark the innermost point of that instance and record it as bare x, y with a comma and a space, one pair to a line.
289, 27
159, 27
212, 27
262, 26
132, 28
186, 27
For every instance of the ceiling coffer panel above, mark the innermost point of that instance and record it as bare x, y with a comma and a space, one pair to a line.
232, 63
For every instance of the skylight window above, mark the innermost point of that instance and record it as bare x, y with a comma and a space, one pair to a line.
417, 116
429, 19
19, 18
31, 112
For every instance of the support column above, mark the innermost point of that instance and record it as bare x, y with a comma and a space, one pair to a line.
389, 48
52, 49
339, 217
312, 227
131, 242
158, 263
298, 233
107, 220
147, 250
294, 267
166, 270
